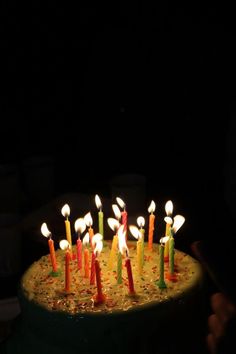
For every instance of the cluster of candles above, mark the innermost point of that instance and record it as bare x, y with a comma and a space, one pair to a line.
119, 247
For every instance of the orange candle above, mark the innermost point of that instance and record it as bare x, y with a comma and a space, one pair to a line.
86, 263
47, 233
52, 254
96, 238
151, 210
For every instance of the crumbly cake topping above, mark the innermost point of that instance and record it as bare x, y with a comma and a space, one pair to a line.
49, 292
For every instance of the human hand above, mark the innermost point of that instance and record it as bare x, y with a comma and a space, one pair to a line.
222, 325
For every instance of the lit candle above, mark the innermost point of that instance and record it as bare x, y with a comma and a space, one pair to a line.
120, 235
97, 237
100, 296
151, 210
100, 215
47, 233
137, 234
161, 282
168, 220
89, 222
123, 248
86, 255
66, 213
178, 222
64, 244
124, 215
80, 227
141, 223
114, 225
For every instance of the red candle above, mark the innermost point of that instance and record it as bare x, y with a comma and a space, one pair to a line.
67, 270
79, 253
130, 276
124, 219
100, 296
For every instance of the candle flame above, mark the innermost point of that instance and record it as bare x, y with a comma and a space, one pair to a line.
120, 202
88, 219
95, 240
80, 225
98, 202
135, 231
122, 240
168, 220
169, 208
116, 211
98, 247
65, 211
178, 222
64, 244
45, 231
164, 239
141, 221
113, 223
86, 239
152, 207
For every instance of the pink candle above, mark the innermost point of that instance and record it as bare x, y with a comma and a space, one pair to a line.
67, 270
79, 253
130, 276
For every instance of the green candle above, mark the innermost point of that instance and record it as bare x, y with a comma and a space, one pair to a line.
119, 268
161, 283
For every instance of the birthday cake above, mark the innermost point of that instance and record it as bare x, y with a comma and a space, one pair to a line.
151, 319
119, 296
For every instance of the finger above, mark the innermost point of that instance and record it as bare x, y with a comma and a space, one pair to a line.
222, 307
216, 327
211, 344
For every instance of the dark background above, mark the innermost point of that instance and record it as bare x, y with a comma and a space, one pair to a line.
102, 89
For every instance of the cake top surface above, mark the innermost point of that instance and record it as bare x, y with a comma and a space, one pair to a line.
40, 287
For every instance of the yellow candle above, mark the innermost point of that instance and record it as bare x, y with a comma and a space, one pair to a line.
141, 223
113, 252
168, 221
114, 225
138, 235
64, 245
100, 215
68, 231
66, 213
139, 257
